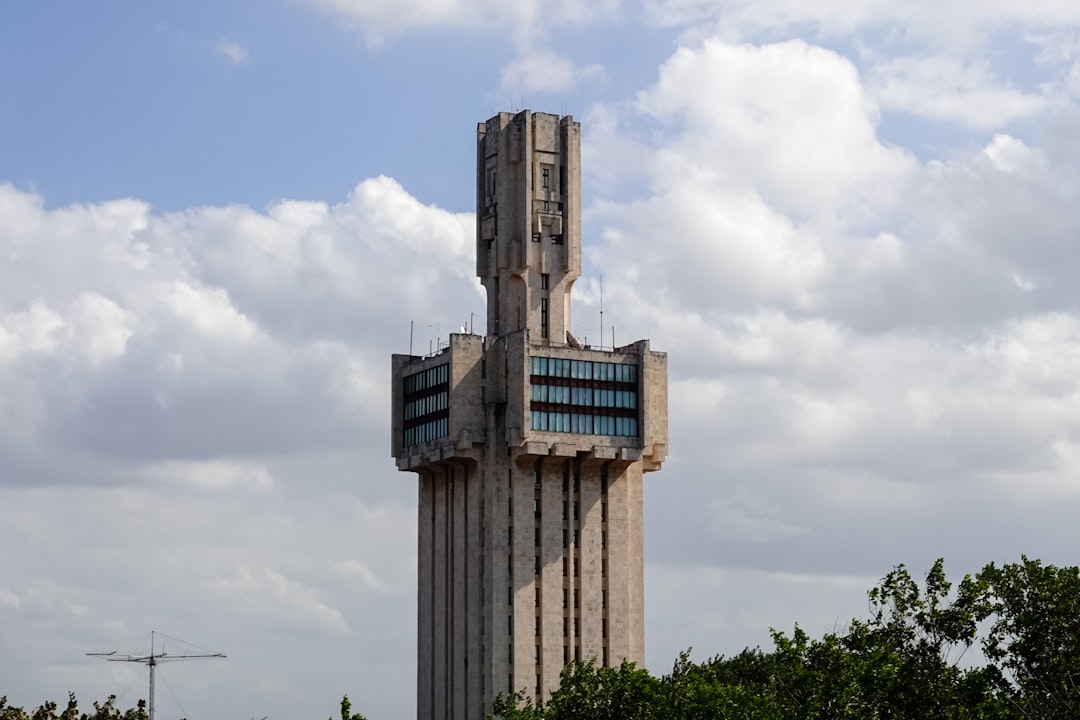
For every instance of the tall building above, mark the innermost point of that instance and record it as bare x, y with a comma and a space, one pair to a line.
530, 449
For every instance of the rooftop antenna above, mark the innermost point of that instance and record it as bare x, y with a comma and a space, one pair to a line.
601, 309
152, 660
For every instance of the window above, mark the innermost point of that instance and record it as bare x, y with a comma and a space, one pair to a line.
545, 280
603, 396
426, 402
546, 175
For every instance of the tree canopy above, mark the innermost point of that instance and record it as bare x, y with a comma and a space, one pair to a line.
48, 711
909, 659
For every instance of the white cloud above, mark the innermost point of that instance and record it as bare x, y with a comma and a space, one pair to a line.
209, 311
276, 598
544, 71
955, 20
360, 570
865, 340
526, 18
213, 475
790, 118
946, 88
530, 23
746, 515
9, 598
233, 51
178, 336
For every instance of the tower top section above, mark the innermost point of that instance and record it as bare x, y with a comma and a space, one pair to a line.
528, 234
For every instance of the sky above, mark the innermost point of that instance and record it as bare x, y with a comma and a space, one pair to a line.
853, 226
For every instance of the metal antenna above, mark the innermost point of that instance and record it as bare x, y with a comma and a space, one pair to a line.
601, 310
152, 661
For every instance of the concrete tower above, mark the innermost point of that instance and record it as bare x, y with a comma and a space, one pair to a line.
529, 448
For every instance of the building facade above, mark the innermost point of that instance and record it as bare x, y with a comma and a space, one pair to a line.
529, 449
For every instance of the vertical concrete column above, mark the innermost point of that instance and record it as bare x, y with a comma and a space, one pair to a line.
551, 579
499, 515
589, 580
625, 571
425, 597
458, 489
440, 632
524, 564
635, 562
618, 589
474, 595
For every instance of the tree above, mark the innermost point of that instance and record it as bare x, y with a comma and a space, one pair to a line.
902, 662
1034, 640
47, 711
346, 708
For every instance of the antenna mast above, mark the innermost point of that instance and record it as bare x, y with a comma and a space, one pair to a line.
602, 311
152, 660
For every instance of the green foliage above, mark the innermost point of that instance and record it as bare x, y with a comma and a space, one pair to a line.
1034, 639
904, 661
47, 711
346, 709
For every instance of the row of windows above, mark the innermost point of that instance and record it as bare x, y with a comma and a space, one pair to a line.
426, 405
583, 369
427, 431
584, 424
583, 396
438, 375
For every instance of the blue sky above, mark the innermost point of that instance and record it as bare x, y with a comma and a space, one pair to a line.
127, 99
852, 226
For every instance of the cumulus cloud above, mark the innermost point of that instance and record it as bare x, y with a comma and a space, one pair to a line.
190, 405
175, 336
544, 71
863, 342
944, 88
